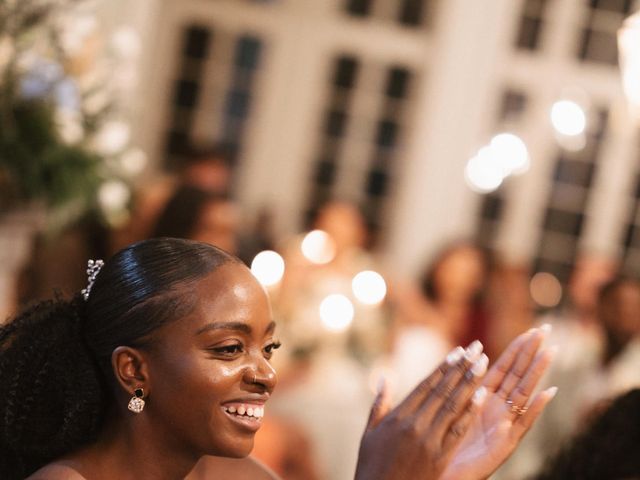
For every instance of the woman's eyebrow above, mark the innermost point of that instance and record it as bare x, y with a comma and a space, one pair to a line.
270, 328
236, 326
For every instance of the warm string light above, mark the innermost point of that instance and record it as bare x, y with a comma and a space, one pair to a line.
505, 155
336, 312
318, 247
268, 267
568, 118
369, 287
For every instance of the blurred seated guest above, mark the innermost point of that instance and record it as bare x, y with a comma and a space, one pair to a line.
329, 354
337, 254
588, 369
606, 449
454, 285
616, 369
202, 167
200, 215
445, 310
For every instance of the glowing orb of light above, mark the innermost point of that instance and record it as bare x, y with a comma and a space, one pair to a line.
369, 287
113, 195
510, 152
112, 138
318, 247
568, 118
268, 267
483, 174
336, 312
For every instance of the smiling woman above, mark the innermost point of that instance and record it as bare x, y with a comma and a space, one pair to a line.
164, 360
180, 325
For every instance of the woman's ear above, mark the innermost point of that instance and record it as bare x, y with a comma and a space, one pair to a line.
130, 369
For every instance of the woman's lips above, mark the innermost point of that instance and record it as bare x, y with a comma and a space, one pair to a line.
247, 415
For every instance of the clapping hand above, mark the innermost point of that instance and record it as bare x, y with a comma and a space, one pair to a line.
504, 417
443, 430
418, 437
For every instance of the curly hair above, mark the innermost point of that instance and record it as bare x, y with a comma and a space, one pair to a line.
607, 449
56, 379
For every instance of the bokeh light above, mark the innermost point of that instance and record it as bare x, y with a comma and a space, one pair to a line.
112, 137
318, 247
268, 267
568, 118
483, 174
336, 312
113, 195
369, 287
545, 289
510, 152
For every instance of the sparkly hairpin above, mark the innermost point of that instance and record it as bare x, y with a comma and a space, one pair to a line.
93, 268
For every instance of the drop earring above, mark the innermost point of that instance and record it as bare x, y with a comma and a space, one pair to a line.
136, 404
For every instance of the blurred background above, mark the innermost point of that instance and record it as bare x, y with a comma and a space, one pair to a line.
402, 175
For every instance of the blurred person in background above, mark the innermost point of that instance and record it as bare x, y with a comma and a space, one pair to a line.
325, 372
446, 309
57, 259
201, 215
589, 369
203, 167
509, 303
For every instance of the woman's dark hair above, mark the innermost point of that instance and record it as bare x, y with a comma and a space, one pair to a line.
608, 449
56, 379
182, 213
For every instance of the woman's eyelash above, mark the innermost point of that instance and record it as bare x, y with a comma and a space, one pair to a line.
228, 349
272, 346
237, 348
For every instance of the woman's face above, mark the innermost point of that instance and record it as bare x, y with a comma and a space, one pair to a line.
460, 274
210, 371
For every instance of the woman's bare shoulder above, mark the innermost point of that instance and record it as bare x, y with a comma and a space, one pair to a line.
56, 471
212, 468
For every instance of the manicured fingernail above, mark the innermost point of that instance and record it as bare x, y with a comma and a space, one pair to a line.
479, 395
546, 327
455, 355
551, 392
479, 368
473, 350
381, 384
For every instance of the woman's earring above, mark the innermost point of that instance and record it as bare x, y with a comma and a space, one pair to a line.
136, 404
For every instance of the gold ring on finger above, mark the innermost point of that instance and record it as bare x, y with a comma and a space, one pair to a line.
518, 410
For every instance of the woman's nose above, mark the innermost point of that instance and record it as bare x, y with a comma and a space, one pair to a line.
262, 373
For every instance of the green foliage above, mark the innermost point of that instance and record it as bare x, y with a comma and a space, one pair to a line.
36, 165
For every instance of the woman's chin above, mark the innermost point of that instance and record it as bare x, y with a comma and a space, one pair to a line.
240, 449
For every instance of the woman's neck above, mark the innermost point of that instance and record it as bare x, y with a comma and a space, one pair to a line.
130, 448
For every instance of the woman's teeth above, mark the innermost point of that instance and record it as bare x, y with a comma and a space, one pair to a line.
255, 412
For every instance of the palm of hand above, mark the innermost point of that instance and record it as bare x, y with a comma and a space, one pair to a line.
497, 430
489, 441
